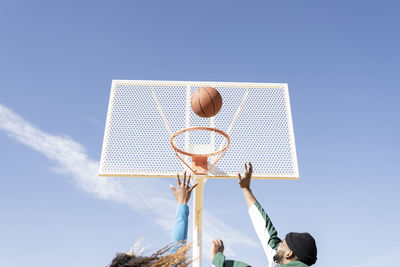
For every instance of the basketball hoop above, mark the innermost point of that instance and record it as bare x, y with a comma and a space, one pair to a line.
200, 160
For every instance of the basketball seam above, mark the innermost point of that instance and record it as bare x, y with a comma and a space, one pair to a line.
212, 101
198, 97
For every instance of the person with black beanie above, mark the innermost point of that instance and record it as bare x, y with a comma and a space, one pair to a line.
296, 250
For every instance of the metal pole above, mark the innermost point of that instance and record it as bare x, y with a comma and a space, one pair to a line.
197, 219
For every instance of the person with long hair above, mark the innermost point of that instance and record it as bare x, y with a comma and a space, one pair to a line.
175, 254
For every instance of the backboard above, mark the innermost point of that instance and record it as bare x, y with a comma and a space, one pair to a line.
143, 115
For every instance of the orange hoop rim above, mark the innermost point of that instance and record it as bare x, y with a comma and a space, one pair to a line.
201, 128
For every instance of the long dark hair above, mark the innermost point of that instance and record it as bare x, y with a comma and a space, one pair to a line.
158, 259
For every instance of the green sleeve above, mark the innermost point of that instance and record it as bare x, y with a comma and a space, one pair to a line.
265, 230
219, 261
274, 240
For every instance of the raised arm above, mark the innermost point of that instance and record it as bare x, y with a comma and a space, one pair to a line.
244, 183
182, 195
261, 222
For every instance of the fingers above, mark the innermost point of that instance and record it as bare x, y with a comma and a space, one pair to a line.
190, 189
184, 179
218, 244
172, 188
185, 182
188, 181
249, 169
239, 177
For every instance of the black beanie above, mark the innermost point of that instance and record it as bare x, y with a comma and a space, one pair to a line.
303, 246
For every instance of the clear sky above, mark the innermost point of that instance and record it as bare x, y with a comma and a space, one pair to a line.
57, 59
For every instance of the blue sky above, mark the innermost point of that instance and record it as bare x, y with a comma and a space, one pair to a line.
57, 60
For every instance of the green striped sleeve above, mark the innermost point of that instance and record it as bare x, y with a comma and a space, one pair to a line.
265, 230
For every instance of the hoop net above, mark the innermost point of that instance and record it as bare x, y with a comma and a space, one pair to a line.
200, 144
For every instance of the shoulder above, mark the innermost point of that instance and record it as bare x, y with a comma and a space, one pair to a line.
295, 264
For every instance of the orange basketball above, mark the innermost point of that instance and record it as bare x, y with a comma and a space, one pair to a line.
206, 102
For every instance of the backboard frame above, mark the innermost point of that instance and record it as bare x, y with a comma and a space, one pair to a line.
191, 84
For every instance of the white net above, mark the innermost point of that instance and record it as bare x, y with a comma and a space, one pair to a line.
143, 115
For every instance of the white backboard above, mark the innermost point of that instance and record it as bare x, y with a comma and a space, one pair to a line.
142, 116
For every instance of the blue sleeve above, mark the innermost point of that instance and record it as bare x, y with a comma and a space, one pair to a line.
179, 234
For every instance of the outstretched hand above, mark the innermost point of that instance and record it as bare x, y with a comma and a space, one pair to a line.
216, 246
244, 182
183, 191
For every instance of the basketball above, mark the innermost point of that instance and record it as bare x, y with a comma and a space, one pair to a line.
206, 102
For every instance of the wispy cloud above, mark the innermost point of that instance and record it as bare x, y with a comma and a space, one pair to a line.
143, 196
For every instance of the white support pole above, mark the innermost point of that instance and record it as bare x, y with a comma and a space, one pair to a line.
197, 219
187, 117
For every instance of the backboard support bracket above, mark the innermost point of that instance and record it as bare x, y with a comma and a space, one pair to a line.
200, 165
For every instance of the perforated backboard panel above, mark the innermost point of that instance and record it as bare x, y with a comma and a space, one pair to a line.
142, 116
